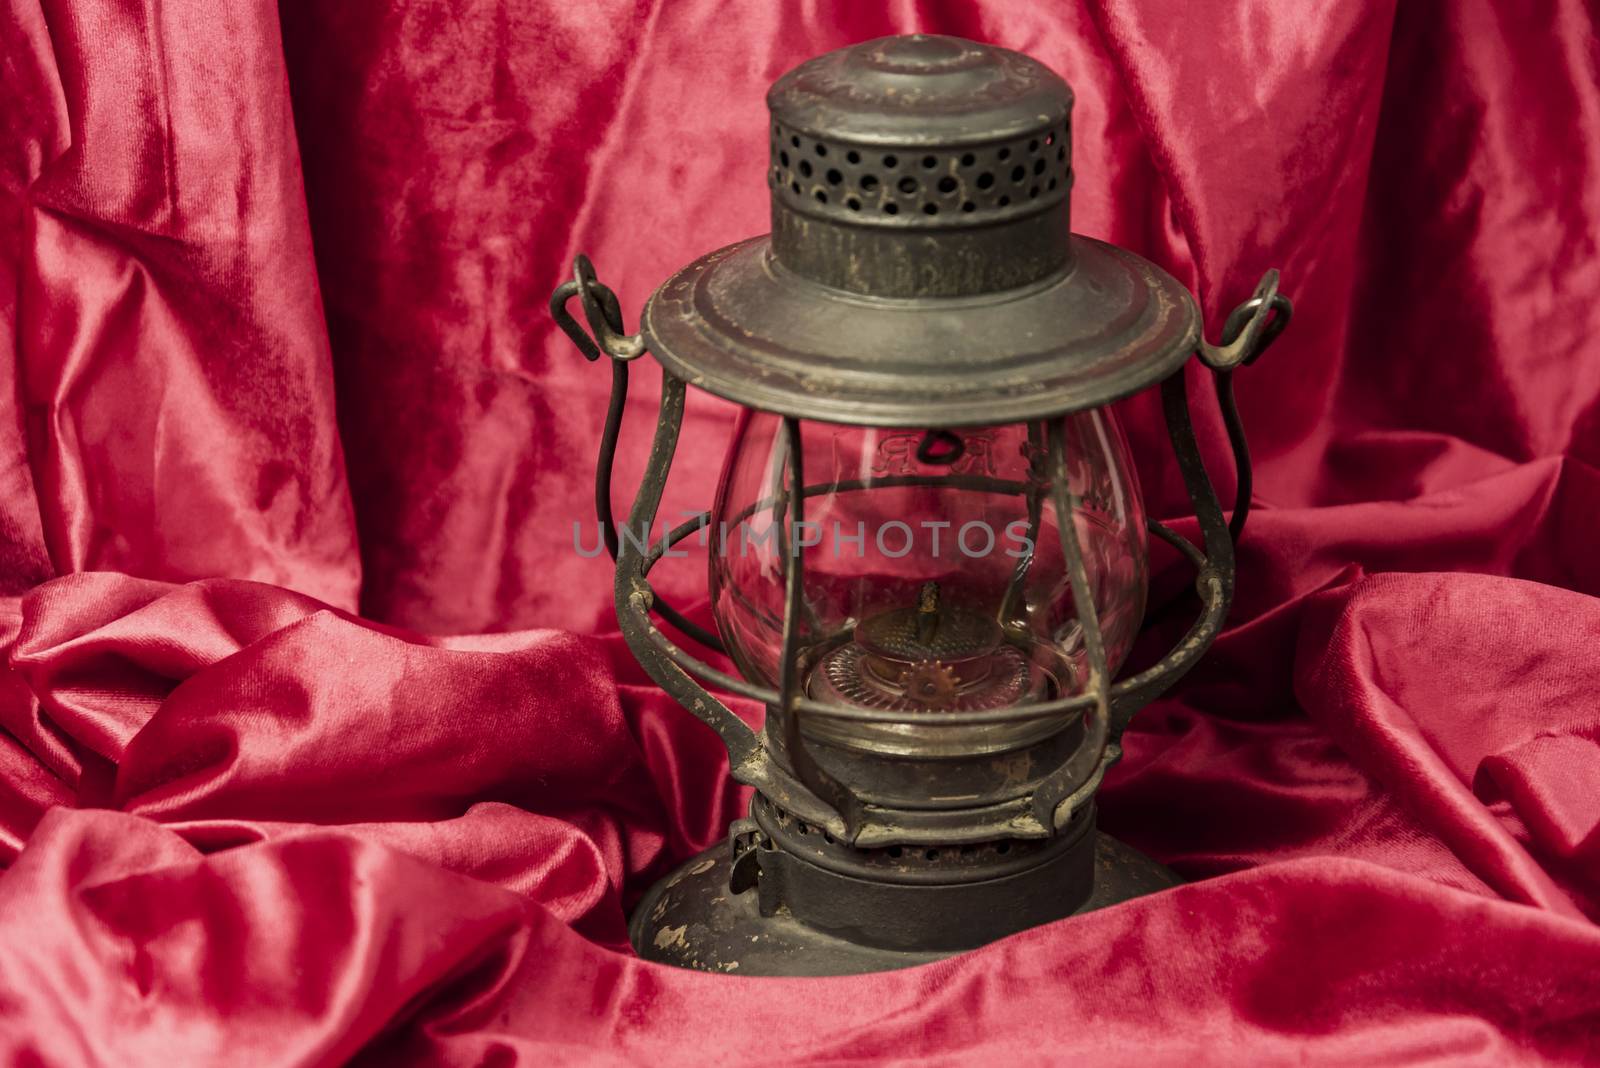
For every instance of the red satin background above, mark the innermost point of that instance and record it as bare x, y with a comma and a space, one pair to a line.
275, 283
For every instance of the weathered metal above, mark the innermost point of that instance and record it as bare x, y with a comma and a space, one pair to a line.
691, 919
921, 269
911, 281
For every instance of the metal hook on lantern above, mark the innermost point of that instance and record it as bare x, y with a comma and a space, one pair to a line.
601, 309
1249, 330
604, 313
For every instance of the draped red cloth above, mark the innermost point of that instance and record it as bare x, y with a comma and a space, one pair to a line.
316, 739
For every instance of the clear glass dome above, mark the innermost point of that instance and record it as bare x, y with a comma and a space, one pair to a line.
933, 572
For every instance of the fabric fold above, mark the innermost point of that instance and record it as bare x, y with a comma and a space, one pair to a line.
301, 767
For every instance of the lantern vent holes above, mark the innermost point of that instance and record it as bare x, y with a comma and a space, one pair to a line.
963, 181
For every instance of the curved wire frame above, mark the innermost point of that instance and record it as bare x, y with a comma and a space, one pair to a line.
776, 761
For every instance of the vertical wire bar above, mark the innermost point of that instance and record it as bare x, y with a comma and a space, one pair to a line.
634, 597
793, 746
1078, 772
794, 512
780, 510
780, 518
1035, 498
612, 310
608, 455
1214, 579
1214, 532
602, 480
1229, 407
1267, 314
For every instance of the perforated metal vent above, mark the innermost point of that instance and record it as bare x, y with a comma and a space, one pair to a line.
911, 186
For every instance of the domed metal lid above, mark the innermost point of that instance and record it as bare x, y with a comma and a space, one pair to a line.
921, 271
920, 89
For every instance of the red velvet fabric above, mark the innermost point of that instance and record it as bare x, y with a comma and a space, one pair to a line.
316, 740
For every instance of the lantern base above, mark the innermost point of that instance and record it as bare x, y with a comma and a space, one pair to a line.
691, 919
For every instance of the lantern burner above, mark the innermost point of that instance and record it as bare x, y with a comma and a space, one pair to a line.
930, 658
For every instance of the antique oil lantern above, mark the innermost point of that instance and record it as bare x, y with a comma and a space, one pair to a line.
928, 548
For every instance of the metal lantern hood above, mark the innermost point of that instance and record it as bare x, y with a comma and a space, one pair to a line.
920, 345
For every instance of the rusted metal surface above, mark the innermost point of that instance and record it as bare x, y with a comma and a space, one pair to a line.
693, 919
738, 323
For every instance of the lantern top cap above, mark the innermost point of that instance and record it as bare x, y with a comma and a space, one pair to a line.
921, 270
920, 89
